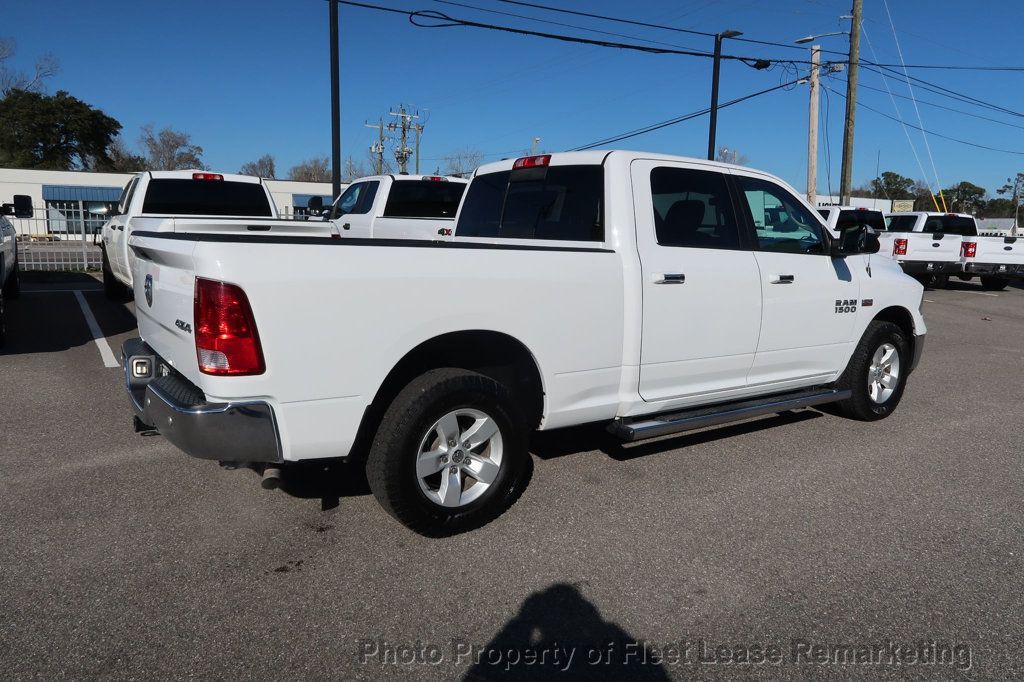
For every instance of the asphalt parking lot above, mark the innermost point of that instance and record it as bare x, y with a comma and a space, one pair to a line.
121, 557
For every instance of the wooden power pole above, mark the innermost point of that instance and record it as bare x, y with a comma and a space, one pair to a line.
846, 180
812, 128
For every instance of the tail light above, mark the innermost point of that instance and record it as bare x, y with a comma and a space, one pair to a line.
207, 176
899, 247
969, 249
532, 161
227, 343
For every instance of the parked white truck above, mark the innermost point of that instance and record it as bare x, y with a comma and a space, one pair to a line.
398, 207
926, 244
10, 283
994, 259
153, 199
653, 293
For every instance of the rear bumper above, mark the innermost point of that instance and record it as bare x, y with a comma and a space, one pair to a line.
996, 269
924, 267
232, 432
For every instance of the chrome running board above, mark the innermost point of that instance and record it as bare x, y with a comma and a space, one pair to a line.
663, 424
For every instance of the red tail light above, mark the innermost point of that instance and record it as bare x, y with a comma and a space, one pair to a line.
435, 178
207, 176
226, 339
969, 249
532, 161
899, 247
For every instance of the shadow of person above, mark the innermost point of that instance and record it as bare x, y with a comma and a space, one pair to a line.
559, 635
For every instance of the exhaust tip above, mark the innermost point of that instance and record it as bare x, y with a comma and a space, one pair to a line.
271, 478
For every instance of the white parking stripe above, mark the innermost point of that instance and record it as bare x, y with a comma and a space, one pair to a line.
97, 335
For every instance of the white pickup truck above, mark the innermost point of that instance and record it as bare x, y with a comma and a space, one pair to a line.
926, 244
653, 293
10, 284
994, 259
152, 199
398, 207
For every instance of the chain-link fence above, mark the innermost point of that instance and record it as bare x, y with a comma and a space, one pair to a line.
62, 235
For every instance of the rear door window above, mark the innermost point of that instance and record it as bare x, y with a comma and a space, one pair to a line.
692, 208
206, 197
550, 202
424, 199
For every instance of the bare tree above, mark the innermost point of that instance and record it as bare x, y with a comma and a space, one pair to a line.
46, 66
463, 161
353, 169
170, 149
262, 167
733, 156
317, 169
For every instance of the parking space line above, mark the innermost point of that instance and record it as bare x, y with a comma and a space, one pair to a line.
97, 335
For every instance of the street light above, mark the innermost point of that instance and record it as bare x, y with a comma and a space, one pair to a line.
807, 39
719, 37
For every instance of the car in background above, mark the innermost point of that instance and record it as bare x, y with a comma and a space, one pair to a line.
398, 207
152, 197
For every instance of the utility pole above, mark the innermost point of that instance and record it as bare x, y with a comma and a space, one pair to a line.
812, 129
335, 102
846, 179
419, 131
377, 148
533, 146
713, 127
404, 125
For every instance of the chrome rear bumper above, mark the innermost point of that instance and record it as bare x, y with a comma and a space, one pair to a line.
230, 432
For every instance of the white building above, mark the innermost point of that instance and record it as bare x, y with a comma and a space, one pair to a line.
883, 205
68, 201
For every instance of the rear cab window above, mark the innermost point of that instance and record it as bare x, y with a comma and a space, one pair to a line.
861, 218
952, 224
173, 196
564, 203
900, 223
424, 199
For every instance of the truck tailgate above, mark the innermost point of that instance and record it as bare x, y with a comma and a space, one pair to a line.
997, 250
924, 246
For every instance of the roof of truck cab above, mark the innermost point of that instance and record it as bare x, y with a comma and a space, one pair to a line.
187, 175
598, 157
399, 176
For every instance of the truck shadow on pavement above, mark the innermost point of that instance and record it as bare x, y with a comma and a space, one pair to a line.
580, 439
559, 635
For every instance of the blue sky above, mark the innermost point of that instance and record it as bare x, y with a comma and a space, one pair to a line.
248, 78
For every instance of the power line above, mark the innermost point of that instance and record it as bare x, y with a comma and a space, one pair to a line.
941, 90
932, 132
942, 106
679, 119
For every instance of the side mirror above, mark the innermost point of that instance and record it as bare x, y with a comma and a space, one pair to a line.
853, 240
22, 206
315, 205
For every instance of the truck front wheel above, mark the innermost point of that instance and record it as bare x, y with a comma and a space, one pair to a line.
450, 453
877, 373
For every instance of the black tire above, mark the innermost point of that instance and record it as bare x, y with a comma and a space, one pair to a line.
112, 288
12, 287
940, 281
856, 376
409, 420
3, 320
989, 283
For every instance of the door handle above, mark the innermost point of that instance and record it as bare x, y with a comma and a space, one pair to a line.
783, 279
347, 226
671, 278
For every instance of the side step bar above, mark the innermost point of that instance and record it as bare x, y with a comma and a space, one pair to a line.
652, 426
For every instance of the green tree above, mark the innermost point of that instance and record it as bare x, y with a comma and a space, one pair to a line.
964, 197
55, 132
1015, 188
997, 208
892, 186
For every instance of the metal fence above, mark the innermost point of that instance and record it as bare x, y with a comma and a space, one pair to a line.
61, 236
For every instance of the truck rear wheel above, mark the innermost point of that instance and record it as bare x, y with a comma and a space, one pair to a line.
450, 453
876, 374
993, 283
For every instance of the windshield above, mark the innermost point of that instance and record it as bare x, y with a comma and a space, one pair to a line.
206, 197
